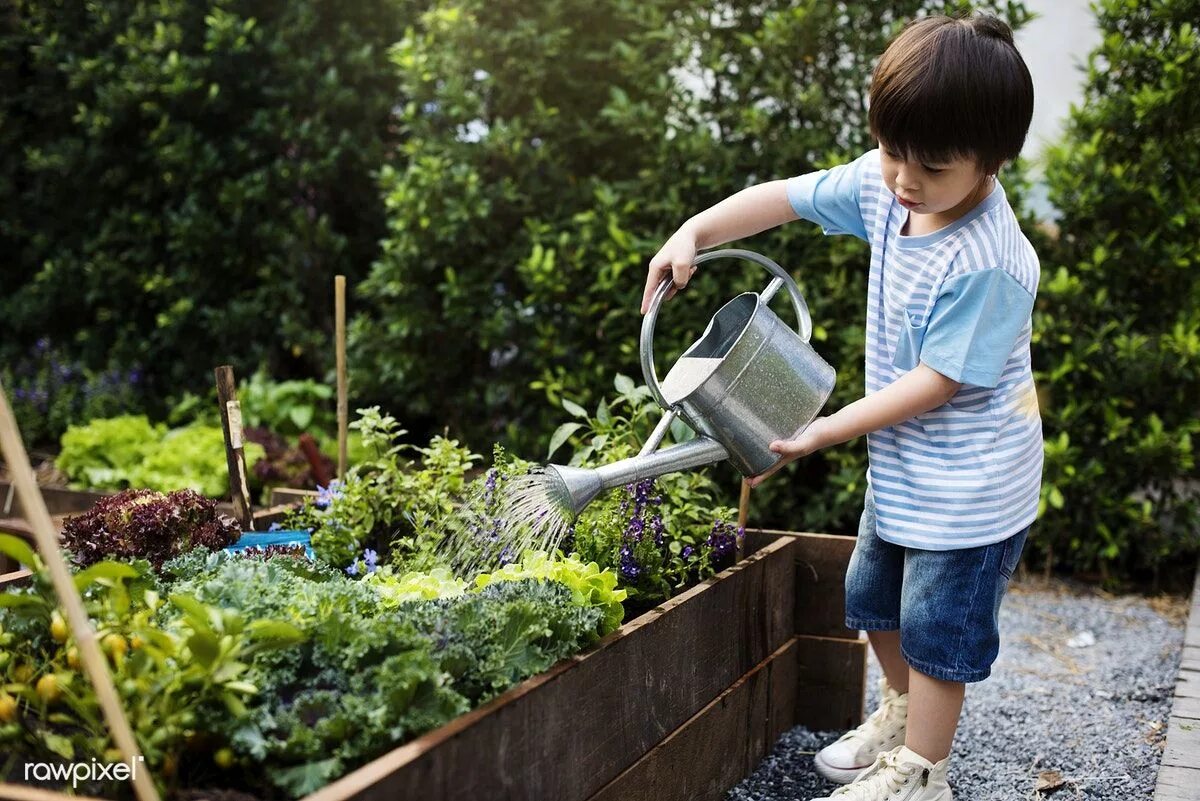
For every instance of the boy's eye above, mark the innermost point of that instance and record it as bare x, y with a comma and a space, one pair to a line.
934, 170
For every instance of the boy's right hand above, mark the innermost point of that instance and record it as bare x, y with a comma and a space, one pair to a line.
673, 259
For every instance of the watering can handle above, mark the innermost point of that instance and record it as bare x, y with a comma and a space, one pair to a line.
781, 279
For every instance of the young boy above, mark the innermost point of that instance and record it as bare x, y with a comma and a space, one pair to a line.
953, 430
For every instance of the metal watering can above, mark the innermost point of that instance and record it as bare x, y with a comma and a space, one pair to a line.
749, 380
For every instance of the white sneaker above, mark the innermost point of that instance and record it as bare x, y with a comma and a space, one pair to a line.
898, 775
856, 749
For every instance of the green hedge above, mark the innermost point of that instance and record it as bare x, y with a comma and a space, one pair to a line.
1117, 324
180, 180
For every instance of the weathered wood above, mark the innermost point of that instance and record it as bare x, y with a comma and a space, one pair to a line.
59, 500
1177, 783
721, 744
567, 733
21, 792
1179, 772
821, 583
235, 457
289, 495
832, 682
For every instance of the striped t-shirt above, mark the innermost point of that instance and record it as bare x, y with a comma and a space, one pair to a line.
969, 472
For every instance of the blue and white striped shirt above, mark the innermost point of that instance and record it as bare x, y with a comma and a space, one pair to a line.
969, 472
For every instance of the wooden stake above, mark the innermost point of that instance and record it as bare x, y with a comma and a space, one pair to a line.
94, 664
235, 456
743, 511
339, 303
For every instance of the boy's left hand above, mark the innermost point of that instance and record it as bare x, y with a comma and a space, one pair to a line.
809, 441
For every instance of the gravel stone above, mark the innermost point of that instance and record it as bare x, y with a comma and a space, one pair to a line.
1095, 715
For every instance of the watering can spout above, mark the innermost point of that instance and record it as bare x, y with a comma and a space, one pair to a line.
575, 487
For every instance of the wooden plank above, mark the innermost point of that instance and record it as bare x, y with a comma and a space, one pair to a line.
720, 745
281, 496
821, 582
59, 500
1177, 784
832, 679
235, 456
1186, 708
1183, 744
567, 733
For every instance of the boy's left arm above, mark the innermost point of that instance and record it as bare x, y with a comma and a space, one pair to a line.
916, 392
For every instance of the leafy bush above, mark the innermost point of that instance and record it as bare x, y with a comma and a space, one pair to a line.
533, 188
1117, 325
49, 391
143, 524
180, 176
120, 452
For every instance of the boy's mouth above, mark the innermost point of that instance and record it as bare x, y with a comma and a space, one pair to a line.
906, 203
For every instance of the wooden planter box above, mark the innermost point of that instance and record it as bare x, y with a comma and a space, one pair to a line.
681, 703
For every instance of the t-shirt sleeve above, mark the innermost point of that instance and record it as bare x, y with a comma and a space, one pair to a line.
832, 198
974, 326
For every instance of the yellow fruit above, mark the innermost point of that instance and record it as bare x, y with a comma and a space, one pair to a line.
8, 708
58, 628
73, 657
48, 689
136, 642
115, 646
224, 758
22, 673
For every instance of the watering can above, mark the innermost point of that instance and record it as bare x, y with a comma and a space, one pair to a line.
746, 382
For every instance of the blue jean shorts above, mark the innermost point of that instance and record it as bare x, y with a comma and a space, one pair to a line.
946, 604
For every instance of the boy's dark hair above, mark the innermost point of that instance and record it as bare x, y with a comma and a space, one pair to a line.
951, 87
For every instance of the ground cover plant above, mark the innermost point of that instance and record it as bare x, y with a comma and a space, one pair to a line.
266, 672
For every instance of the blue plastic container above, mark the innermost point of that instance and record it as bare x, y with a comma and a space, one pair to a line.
261, 539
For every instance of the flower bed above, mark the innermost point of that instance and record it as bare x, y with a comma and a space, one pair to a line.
681, 702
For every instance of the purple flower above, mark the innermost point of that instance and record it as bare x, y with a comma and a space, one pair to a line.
327, 495
371, 559
275, 527
688, 551
352, 570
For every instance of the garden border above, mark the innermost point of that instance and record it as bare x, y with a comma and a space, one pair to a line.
750, 652
1179, 771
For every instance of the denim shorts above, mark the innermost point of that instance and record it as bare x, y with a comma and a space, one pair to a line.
946, 604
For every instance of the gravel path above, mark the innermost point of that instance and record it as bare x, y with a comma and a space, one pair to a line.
1058, 718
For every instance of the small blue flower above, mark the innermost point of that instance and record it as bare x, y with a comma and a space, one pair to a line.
371, 559
327, 495
275, 527
353, 569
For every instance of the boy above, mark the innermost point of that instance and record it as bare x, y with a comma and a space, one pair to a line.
953, 431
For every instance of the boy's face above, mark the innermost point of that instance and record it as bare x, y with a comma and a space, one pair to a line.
932, 188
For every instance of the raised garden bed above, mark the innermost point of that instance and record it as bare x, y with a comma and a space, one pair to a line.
680, 703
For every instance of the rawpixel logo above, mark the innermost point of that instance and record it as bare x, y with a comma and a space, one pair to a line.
81, 771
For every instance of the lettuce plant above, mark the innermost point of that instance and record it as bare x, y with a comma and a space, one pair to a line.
143, 524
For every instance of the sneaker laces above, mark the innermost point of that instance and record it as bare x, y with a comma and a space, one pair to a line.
888, 775
893, 705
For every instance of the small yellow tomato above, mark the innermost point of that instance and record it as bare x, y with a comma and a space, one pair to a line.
115, 646
73, 657
48, 688
224, 758
58, 628
136, 642
8, 708
23, 673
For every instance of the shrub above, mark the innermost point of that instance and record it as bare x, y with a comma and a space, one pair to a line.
1117, 325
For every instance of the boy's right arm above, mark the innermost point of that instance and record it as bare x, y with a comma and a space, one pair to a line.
827, 197
749, 212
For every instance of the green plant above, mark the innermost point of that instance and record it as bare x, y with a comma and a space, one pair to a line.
660, 534
589, 585
188, 175
388, 501
143, 524
177, 665
1117, 324
532, 190
128, 451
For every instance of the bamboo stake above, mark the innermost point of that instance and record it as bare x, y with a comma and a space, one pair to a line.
339, 293
94, 664
743, 512
235, 456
